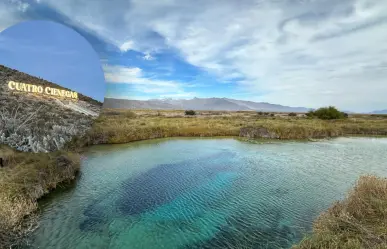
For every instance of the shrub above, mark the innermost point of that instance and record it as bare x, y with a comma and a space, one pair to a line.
358, 221
260, 113
190, 112
327, 113
130, 114
310, 114
292, 114
272, 114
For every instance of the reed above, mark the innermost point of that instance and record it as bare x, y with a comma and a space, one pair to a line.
25, 178
123, 126
28, 176
359, 221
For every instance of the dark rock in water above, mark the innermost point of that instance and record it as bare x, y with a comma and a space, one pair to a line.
156, 187
91, 224
257, 132
95, 217
167, 181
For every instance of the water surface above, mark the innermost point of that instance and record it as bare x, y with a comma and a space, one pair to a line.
204, 193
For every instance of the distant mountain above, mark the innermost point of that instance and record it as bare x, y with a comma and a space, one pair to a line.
208, 104
379, 112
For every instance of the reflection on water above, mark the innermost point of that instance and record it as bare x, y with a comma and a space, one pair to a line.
204, 193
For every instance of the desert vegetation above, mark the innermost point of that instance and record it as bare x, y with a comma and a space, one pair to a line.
122, 126
24, 179
327, 113
28, 176
41, 126
38, 123
359, 221
190, 112
32, 126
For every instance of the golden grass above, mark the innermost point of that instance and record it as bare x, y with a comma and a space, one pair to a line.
123, 126
25, 178
359, 221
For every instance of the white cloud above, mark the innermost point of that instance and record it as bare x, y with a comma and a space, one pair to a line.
118, 74
306, 53
148, 57
126, 46
135, 77
184, 95
10, 13
19, 4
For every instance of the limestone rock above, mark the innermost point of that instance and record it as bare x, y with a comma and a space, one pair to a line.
257, 132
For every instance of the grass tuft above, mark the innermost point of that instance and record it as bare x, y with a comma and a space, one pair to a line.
127, 126
25, 178
359, 221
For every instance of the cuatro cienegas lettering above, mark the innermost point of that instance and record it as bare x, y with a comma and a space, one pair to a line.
23, 87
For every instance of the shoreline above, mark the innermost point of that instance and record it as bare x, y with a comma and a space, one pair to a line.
263, 140
128, 127
25, 179
244, 139
313, 237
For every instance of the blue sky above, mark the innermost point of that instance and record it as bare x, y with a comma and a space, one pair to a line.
55, 53
308, 53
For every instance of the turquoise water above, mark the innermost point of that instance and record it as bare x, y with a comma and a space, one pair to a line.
204, 193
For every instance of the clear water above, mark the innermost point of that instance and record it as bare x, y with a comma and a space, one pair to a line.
204, 193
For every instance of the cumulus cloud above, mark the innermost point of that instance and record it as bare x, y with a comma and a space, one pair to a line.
148, 57
11, 12
140, 82
126, 46
306, 53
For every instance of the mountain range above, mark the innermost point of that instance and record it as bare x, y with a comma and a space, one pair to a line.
379, 112
208, 104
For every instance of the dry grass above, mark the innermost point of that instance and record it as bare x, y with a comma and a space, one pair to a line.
359, 221
122, 126
349, 224
25, 178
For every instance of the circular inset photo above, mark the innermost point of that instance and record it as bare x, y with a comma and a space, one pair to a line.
52, 86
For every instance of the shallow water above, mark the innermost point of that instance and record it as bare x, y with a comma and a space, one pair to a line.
204, 193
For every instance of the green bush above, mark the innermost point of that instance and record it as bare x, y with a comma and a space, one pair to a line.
190, 112
292, 114
327, 113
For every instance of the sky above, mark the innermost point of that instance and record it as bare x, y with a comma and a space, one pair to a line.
55, 53
308, 53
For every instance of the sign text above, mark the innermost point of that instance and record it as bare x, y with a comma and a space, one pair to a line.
23, 87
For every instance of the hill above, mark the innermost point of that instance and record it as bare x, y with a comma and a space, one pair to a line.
209, 104
33, 122
379, 112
